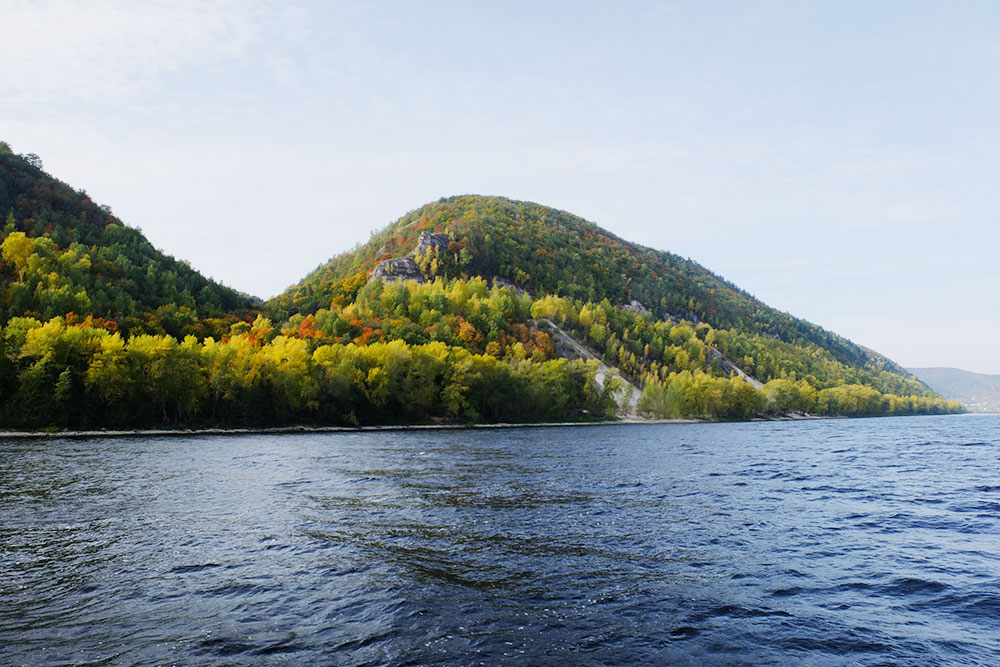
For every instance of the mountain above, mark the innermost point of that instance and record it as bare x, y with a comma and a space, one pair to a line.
978, 392
65, 254
469, 309
549, 252
546, 251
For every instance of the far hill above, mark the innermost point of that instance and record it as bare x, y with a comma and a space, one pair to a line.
978, 392
63, 254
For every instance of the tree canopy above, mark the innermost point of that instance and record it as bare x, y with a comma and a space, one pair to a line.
98, 328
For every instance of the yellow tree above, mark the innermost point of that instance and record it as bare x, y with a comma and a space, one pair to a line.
17, 248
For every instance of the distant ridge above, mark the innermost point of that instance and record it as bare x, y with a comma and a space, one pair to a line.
977, 391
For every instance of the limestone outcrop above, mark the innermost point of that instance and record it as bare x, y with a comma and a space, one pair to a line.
427, 240
405, 268
398, 268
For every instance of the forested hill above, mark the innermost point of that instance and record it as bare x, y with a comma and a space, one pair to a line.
547, 251
64, 254
475, 323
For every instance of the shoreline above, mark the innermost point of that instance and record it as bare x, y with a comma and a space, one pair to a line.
292, 430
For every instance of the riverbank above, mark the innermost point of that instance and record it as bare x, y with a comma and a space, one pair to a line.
286, 430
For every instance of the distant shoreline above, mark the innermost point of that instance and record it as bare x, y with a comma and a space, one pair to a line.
292, 430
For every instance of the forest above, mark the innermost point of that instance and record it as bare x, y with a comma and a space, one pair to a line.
546, 251
101, 330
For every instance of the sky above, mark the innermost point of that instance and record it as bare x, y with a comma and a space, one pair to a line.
839, 160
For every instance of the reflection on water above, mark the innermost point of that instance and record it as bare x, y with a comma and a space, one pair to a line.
844, 541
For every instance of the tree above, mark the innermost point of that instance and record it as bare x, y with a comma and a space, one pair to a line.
33, 160
17, 249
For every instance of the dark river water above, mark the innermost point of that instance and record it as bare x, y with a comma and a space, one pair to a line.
870, 541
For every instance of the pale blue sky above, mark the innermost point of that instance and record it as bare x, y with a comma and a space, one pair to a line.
836, 159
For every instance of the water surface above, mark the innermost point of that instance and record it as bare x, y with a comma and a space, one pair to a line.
870, 541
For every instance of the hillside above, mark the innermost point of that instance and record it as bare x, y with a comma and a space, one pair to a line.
978, 392
546, 251
470, 309
64, 254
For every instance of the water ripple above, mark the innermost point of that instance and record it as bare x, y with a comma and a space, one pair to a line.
829, 542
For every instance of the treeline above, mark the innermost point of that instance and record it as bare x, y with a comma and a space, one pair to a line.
699, 394
116, 282
683, 370
402, 352
654, 354
85, 376
646, 350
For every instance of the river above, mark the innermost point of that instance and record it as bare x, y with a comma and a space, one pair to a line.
865, 541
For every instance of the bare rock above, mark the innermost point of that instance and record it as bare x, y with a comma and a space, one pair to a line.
728, 367
426, 241
398, 268
502, 282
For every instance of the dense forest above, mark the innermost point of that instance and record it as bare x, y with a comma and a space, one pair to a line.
99, 329
62, 253
546, 251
